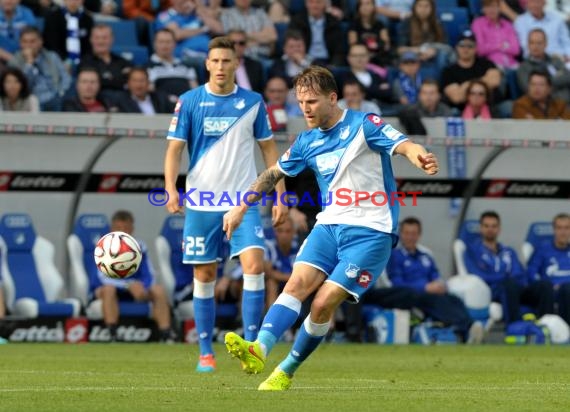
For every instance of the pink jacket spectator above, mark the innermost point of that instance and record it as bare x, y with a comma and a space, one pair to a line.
497, 42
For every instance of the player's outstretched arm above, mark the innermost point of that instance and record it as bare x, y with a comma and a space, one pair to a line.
171, 170
419, 157
271, 156
264, 183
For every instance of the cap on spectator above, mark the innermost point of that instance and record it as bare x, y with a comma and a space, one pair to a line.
467, 35
409, 56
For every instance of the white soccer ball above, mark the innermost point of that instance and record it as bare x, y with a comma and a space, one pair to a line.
118, 255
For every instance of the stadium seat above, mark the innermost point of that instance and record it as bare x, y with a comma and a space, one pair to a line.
475, 7
538, 233
124, 32
80, 244
454, 20
33, 286
175, 276
446, 4
138, 55
469, 233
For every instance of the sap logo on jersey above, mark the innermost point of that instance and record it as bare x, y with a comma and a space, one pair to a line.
215, 126
327, 162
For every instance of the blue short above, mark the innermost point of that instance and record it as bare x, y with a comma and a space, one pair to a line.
352, 257
203, 240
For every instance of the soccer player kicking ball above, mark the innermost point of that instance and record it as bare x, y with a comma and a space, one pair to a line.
220, 123
350, 245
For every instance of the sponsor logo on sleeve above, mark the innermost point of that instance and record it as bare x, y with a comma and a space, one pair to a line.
177, 107
173, 124
377, 120
391, 133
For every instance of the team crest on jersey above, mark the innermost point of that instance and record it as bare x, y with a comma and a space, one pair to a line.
327, 162
344, 132
259, 232
377, 120
239, 103
351, 271
364, 279
215, 126
391, 133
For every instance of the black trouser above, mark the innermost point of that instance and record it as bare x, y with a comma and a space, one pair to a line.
448, 309
563, 300
538, 295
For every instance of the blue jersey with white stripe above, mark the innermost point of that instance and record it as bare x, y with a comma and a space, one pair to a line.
550, 263
352, 156
220, 132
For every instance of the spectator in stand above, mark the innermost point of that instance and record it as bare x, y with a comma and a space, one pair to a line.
167, 73
367, 29
46, 73
551, 262
322, 32
139, 99
15, 93
500, 268
412, 266
553, 25
87, 100
496, 36
112, 69
250, 72
280, 255
13, 18
353, 98
294, 60
67, 30
260, 30
538, 102
278, 109
393, 13
192, 25
141, 287
456, 77
479, 103
407, 84
423, 34
539, 60
429, 105
377, 88
144, 12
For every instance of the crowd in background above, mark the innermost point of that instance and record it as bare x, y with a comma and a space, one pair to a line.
509, 59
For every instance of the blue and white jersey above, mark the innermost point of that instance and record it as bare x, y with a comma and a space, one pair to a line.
412, 269
352, 156
220, 132
279, 261
550, 263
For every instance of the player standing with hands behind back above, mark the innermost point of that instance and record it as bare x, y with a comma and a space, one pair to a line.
350, 245
220, 123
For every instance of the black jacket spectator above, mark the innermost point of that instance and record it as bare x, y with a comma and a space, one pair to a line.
113, 75
55, 32
160, 102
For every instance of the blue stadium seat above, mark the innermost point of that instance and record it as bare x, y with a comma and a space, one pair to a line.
33, 285
175, 276
446, 4
538, 233
475, 8
80, 244
138, 55
296, 6
124, 32
468, 234
281, 30
455, 20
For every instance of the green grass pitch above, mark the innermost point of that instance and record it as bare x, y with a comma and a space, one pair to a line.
338, 377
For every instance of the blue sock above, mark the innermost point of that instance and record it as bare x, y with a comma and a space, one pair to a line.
204, 314
280, 317
253, 303
310, 336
